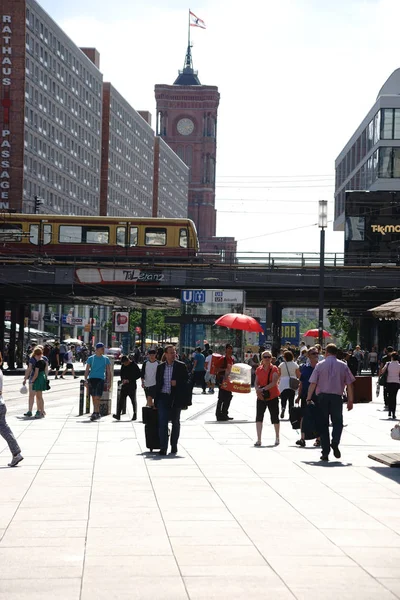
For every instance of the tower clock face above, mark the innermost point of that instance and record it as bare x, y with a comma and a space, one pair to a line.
185, 126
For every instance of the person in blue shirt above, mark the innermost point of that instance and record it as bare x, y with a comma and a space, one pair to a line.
306, 371
98, 377
199, 369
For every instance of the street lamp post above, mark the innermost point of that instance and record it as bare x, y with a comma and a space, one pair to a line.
322, 224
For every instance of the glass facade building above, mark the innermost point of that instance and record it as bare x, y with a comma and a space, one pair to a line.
200, 309
371, 158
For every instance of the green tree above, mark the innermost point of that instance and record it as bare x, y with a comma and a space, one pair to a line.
342, 327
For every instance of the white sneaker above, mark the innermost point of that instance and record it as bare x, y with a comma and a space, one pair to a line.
15, 460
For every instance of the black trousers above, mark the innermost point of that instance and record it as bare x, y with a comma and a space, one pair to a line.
127, 390
392, 389
198, 379
224, 400
287, 395
374, 367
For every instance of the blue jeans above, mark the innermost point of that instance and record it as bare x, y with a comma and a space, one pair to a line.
167, 413
330, 405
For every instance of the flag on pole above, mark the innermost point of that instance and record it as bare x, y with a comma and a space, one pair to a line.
195, 21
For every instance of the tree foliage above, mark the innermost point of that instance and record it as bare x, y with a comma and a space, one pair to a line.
342, 327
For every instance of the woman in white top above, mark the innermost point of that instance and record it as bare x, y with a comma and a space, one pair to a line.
288, 368
392, 383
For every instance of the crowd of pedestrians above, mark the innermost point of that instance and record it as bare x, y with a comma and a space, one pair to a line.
311, 379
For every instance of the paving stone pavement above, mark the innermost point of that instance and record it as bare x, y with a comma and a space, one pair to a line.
91, 515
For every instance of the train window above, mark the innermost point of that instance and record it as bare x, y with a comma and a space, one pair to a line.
121, 232
133, 236
74, 234
155, 236
96, 235
10, 233
70, 234
34, 235
183, 238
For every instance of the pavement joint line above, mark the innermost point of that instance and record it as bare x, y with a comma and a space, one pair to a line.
164, 523
36, 474
88, 513
202, 411
239, 524
322, 530
340, 548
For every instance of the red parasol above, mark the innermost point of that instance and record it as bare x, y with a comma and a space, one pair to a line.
238, 321
315, 333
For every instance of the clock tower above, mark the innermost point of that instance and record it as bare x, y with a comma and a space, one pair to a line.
187, 121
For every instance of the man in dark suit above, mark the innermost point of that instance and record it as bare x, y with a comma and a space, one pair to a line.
172, 394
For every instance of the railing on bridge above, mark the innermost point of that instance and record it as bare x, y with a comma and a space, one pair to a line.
288, 259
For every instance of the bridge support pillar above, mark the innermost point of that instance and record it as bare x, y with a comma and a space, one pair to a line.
273, 327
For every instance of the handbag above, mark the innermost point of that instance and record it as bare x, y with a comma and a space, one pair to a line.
47, 385
293, 381
395, 433
295, 415
383, 378
266, 393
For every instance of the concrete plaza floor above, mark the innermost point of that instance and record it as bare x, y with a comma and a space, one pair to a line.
90, 514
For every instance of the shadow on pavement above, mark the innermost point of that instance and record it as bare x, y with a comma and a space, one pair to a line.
389, 472
331, 463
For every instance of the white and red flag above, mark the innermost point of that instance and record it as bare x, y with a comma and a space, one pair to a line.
195, 21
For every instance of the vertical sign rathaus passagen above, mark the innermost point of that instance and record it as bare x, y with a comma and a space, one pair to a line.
6, 82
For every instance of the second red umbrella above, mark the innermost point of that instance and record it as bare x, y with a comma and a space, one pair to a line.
315, 333
239, 321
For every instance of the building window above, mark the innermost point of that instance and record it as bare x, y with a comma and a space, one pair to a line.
385, 162
396, 162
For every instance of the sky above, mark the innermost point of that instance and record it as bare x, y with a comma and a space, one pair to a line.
296, 78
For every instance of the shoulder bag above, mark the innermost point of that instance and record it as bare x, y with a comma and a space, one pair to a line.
383, 378
293, 381
395, 433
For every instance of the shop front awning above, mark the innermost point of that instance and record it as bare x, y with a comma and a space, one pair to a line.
389, 311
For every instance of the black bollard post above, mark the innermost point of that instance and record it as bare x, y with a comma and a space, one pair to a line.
87, 400
81, 396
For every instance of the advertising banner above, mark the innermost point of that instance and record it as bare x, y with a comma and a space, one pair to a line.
121, 321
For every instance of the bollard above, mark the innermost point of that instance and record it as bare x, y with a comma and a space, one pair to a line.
81, 396
87, 399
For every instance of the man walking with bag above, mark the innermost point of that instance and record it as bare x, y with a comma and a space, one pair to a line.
172, 395
329, 379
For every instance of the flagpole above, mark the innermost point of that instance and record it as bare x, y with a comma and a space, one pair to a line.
189, 29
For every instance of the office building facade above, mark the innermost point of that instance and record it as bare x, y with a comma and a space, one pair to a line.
127, 162
371, 158
54, 122
51, 115
171, 181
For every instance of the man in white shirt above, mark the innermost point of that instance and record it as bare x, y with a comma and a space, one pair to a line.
149, 371
6, 432
208, 378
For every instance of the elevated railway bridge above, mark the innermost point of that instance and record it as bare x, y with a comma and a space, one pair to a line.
273, 280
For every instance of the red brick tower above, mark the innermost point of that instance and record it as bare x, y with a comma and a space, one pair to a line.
187, 121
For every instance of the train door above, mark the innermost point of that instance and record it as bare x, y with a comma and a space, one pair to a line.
127, 237
40, 234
